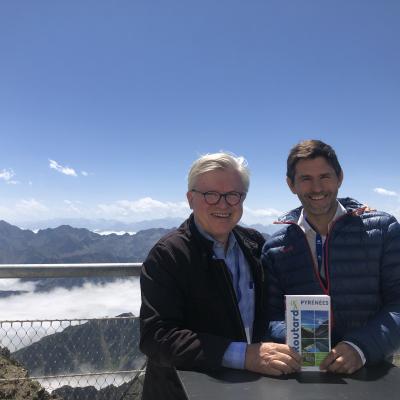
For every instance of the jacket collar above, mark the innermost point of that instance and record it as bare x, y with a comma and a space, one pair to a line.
189, 229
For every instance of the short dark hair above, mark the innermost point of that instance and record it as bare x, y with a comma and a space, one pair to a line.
310, 149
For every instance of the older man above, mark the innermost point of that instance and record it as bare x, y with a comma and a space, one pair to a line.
202, 287
341, 248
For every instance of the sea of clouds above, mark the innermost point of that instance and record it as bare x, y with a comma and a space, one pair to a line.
88, 301
28, 317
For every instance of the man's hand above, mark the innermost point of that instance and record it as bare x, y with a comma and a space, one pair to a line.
343, 359
272, 359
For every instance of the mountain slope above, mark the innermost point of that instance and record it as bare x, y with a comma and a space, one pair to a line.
25, 389
99, 345
65, 244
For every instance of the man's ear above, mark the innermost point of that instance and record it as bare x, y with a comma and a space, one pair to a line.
189, 196
341, 178
290, 183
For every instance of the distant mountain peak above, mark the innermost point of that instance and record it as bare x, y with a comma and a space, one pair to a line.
65, 244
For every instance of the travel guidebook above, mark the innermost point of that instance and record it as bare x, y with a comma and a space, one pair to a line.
308, 328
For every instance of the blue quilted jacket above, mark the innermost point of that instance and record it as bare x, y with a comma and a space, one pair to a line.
363, 277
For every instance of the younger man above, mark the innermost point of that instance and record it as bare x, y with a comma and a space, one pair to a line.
340, 248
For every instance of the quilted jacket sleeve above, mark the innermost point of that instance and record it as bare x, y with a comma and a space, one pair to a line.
380, 338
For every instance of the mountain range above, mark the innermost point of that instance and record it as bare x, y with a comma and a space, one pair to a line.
109, 225
99, 225
66, 244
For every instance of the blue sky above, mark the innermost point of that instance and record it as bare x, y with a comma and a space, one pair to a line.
126, 94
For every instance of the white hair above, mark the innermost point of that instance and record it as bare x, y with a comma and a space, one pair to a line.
219, 161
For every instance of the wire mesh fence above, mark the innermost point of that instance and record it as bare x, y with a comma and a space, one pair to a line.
73, 359
83, 359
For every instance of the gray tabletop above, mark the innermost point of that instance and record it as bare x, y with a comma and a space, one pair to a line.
380, 382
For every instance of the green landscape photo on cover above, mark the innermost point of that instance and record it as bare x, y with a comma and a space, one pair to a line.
315, 336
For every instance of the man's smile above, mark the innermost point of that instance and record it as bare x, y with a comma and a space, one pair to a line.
221, 214
317, 197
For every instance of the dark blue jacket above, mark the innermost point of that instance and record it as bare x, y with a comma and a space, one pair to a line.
363, 277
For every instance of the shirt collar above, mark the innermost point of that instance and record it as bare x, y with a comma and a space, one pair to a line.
306, 227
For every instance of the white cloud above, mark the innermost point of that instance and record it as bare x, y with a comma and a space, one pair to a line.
73, 206
24, 209
89, 301
124, 210
7, 175
385, 192
145, 208
263, 216
16, 284
148, 208
64, 170
84, 173
119, 233
263, 212
30, 206
391, 208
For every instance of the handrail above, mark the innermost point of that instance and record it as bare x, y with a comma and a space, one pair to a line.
69, 270
29, 378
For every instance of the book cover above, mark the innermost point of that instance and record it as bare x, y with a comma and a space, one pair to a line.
308, 328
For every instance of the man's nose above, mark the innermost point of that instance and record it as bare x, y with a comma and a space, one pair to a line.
223, 203
316, 185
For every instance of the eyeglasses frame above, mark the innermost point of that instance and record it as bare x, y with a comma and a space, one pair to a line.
242, 196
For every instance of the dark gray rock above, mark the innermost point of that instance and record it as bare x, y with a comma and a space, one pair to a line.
23, 388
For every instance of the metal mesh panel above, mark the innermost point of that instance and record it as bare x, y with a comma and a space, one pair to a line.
75, 358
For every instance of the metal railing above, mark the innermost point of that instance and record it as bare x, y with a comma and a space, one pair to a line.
19, 335
69, 270
61, 356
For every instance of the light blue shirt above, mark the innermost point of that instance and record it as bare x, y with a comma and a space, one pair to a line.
242, 281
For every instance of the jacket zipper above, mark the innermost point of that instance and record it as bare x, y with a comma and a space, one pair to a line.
326, 264
325, 289
234, 299
315, 267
